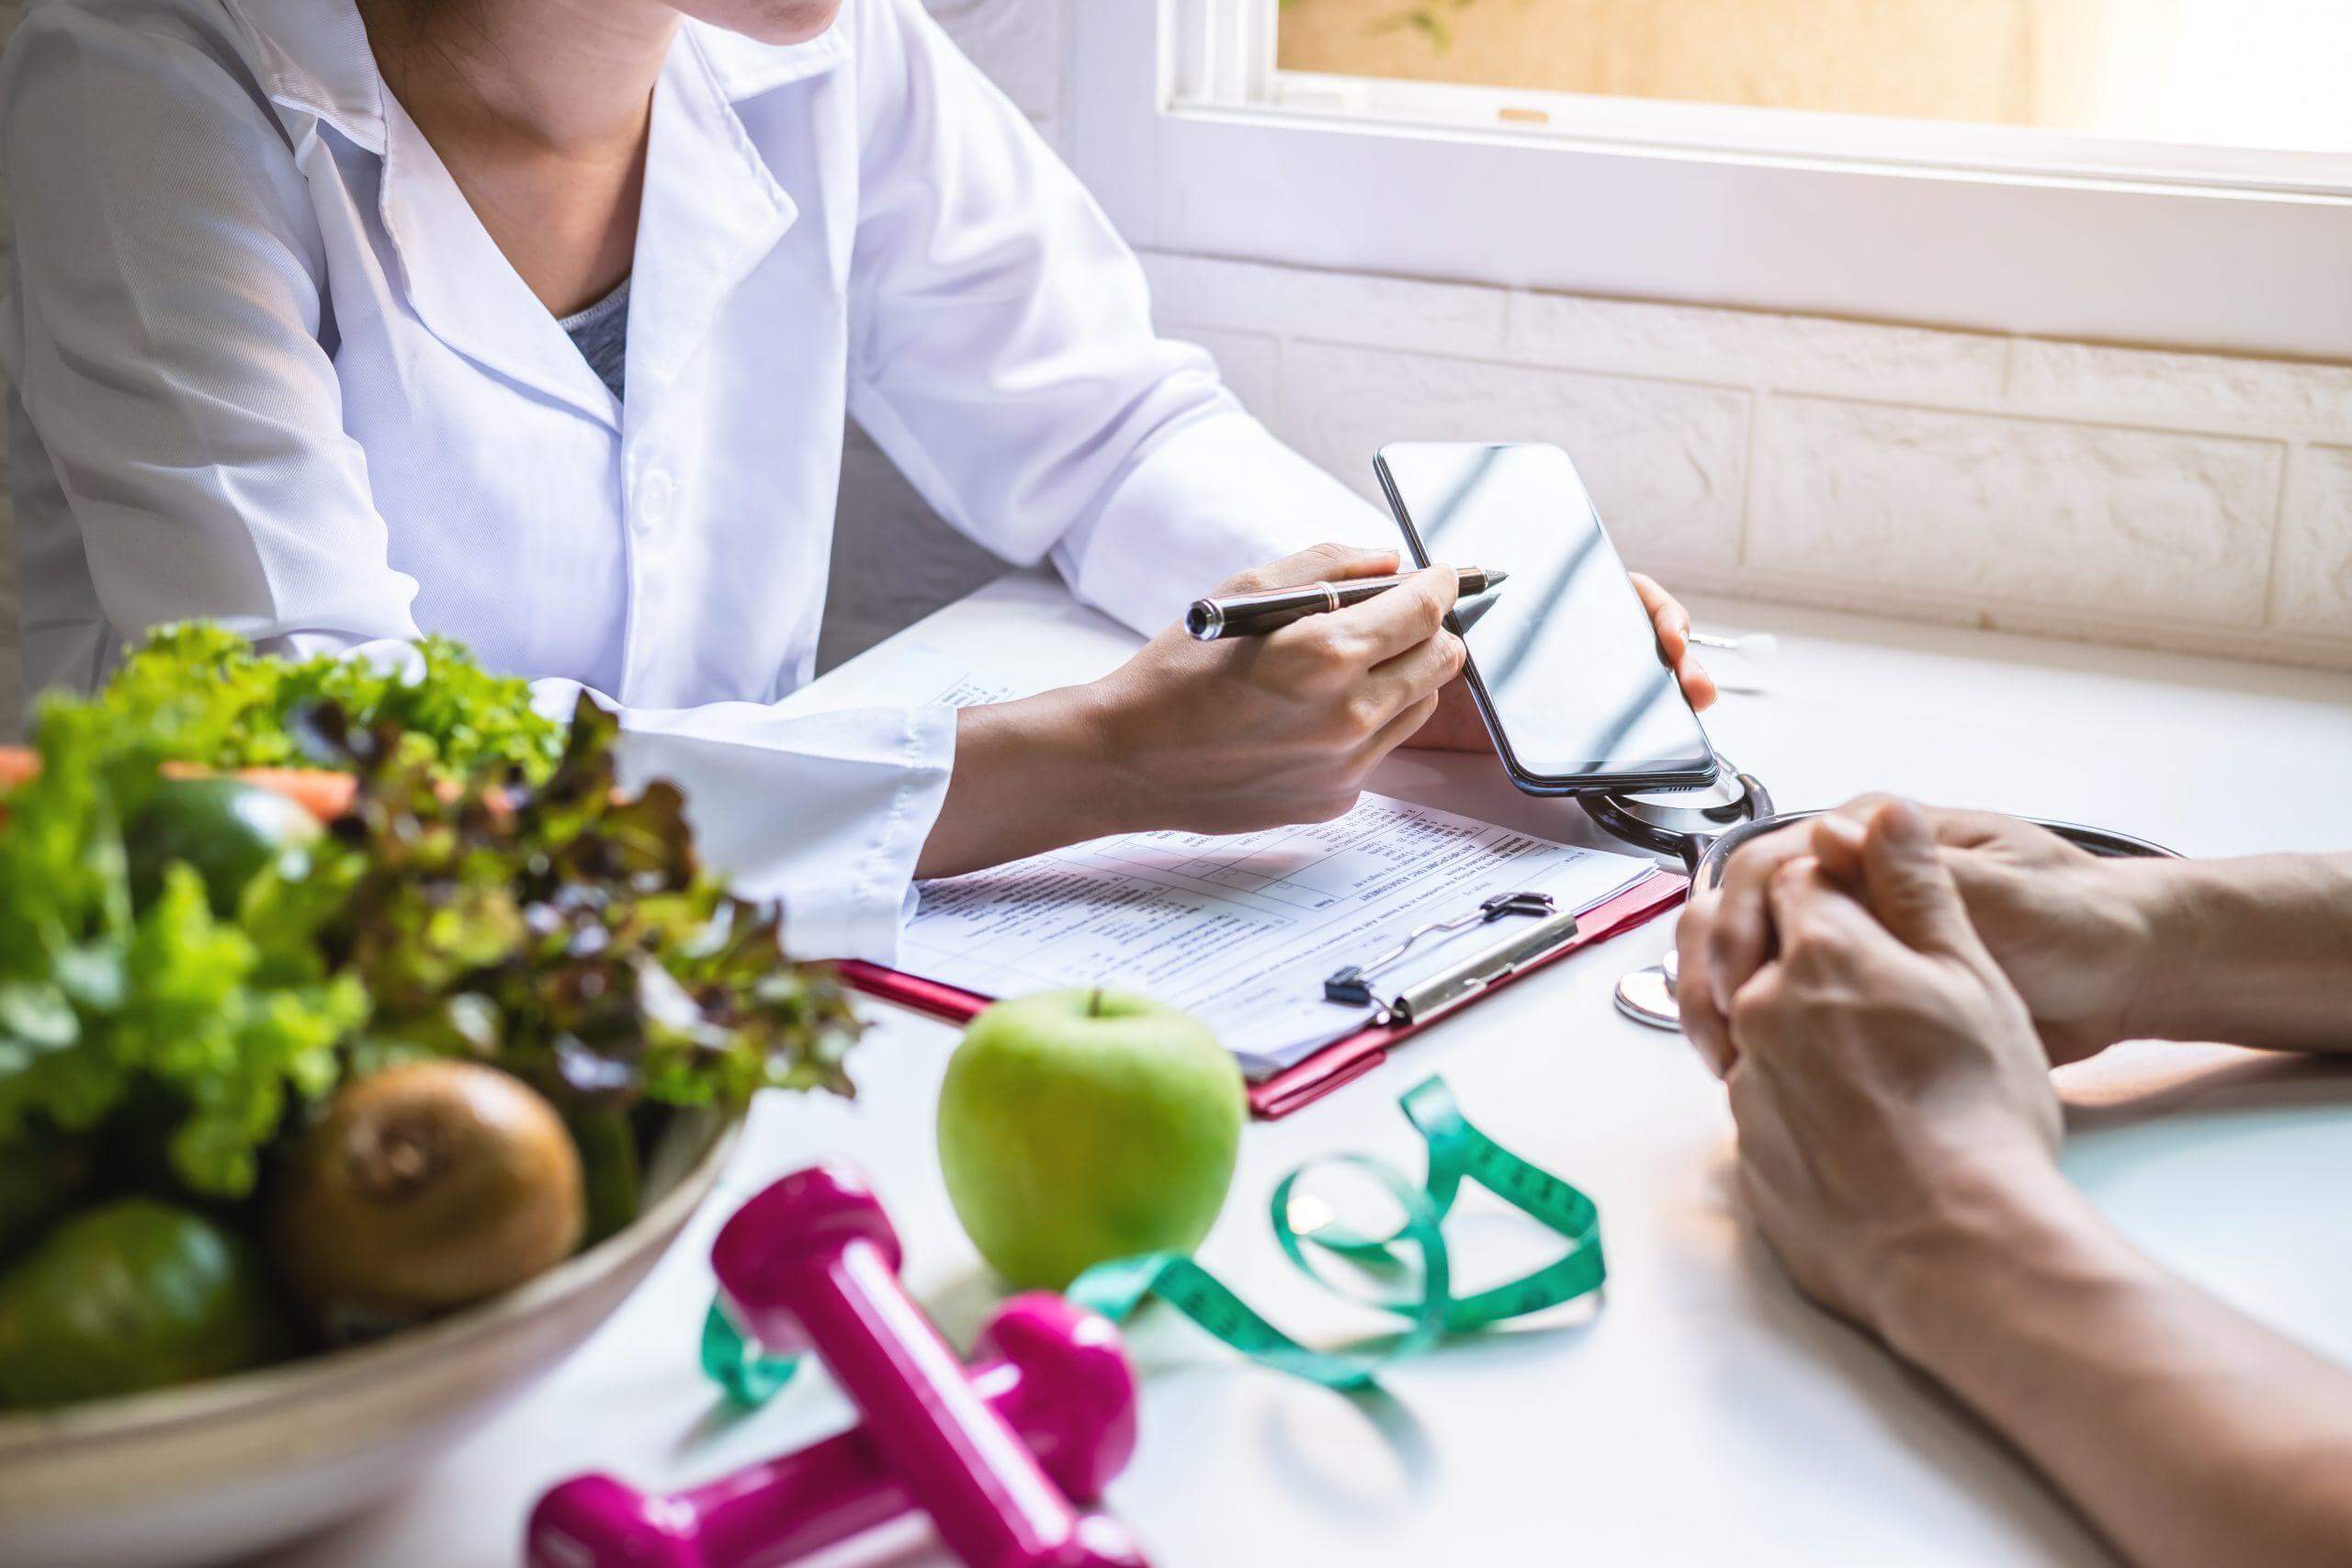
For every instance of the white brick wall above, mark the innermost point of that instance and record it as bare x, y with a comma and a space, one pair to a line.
2312, 588
2173, 500
1672, 454
2170, 499
2181, 500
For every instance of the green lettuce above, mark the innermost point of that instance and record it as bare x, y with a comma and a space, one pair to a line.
232, 1023
194, 692
489, 894
569, 934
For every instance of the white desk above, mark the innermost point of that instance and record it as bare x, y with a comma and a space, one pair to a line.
1706, 1413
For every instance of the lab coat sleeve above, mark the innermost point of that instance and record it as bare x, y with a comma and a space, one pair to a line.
165, 339
1002, 353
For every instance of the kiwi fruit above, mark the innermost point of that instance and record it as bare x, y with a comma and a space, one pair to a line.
425, 1187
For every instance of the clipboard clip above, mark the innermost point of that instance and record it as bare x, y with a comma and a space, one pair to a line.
1450, 987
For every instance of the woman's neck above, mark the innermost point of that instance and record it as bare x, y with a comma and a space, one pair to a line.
567, 76
540, 110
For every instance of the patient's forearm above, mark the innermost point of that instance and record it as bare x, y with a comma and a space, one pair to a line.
2254, 952
2190, 1433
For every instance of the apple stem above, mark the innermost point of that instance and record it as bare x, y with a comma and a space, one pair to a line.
1094, 1003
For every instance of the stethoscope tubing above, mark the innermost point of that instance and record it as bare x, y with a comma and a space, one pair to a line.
1702, 854
1707, 865
1753, 808
1647, 995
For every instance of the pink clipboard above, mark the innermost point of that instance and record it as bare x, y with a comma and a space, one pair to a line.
1343, 1061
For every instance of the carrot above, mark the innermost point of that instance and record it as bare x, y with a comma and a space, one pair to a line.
323, 795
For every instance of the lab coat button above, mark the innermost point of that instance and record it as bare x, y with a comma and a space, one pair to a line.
654, 499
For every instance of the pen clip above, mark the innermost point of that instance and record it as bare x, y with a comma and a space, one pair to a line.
1353, 985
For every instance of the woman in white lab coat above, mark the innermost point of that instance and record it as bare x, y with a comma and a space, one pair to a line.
535, 322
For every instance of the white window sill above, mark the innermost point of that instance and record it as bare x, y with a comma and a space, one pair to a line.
2180, 261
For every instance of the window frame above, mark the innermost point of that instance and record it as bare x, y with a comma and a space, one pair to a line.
1195, 142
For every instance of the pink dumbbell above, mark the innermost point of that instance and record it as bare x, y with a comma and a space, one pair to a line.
1055, 1372
812, 1260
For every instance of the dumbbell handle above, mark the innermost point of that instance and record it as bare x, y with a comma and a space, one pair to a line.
812, 1260
794, 1506
776, 1511
1054, 1373
984, 1491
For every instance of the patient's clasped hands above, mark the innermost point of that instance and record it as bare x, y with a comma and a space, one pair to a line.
1884, 1072
2074, 933
1883, 990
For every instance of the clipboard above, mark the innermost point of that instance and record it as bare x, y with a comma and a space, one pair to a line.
1344, 1060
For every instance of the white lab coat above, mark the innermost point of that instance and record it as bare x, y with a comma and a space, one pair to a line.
267, 368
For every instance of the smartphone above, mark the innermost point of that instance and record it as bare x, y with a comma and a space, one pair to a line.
1563, 663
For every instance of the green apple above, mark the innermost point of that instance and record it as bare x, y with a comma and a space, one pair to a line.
1077, 1126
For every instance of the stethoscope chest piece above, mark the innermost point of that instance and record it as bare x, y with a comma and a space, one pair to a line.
1679, 828
1647, 996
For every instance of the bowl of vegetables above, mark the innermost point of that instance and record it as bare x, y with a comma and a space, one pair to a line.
361, 1047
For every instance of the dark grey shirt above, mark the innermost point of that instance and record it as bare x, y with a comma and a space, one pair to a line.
602, 333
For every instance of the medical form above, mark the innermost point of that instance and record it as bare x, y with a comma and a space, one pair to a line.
1241, 930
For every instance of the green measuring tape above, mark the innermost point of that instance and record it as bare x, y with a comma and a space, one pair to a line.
1415, 1250
748, 1375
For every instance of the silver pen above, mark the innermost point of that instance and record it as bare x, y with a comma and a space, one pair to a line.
1255, 614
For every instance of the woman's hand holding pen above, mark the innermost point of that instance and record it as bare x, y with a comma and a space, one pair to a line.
1252, 732
1237, 733
1223, 737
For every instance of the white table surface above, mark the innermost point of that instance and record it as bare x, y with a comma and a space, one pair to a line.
1704, 1413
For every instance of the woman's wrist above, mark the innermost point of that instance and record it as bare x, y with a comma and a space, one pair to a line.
1030, 776
1118, 761
1061, 747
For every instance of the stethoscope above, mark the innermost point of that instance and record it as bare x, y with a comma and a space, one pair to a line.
1701, 830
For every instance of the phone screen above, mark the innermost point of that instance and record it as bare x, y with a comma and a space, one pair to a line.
1577, 690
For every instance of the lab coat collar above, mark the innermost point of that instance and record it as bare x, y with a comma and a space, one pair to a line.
462, 287
744, 68
711, 207
314, 58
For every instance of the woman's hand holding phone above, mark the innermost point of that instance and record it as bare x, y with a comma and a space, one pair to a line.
1235, 734
1673, 624
1457, 727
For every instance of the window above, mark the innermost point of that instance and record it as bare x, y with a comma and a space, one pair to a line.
2254, 73
2168, 172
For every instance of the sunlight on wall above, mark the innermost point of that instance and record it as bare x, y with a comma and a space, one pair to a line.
2260, 73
